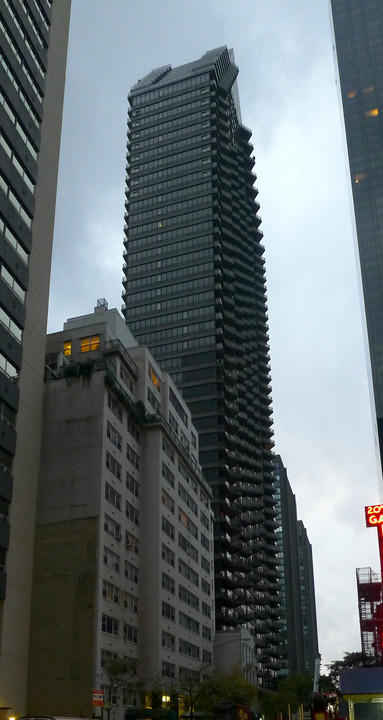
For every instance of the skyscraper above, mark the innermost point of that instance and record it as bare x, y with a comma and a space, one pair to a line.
195, 294
34, 35
310, 631
358, 28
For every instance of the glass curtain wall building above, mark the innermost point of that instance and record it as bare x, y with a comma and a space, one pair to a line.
33, 48
358, 26
194, 292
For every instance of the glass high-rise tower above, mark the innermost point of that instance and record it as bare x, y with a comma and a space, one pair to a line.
33, 49
358, 26
195, 294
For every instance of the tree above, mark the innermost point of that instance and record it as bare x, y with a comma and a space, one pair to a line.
350, 660
120, 672
230, 687
293, 691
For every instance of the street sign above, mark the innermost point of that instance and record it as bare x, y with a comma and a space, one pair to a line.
98, 698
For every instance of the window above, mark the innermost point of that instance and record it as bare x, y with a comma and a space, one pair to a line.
173, 423
168, 528
126, 378
106, 657
206, 657
153, 401
131, 572
189, 623
112, 496
113, 435
132, 485
168, 641
109, 625
168, 670
188, 548
131, 542
113, 465
205, 586
187, 648
194, 441
205, 564
132, 513
168, 475
111, 592
168, 501
130, 602
130, 633
188, 597
168, 555
112, 527
90, 343
111, 559
206, 632
114, 406
154, 377
187, 572
205, 542
178, 407
67, 350
168, 583
168, 450
132, 456
186, 522
168, 611
133, 429
188, 500
206, 609
204, 520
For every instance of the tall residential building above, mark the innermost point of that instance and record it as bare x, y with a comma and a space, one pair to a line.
195, 294
289, 568
309, 616
124, 541
358, 26
34, 36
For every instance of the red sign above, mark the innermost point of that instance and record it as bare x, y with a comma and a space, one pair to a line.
374, 515
98, 698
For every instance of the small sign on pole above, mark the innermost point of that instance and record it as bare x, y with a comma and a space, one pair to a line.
98, 698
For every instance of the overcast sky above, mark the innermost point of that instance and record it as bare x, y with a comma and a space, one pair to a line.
289, 99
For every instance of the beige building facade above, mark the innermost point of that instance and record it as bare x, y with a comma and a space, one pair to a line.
123, 560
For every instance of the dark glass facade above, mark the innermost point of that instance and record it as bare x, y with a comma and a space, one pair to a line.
309, 616
33, 45
358, 28
194, 292
290, 581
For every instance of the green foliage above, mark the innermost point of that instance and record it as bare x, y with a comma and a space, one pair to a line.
350, 660
231, 687
293, 690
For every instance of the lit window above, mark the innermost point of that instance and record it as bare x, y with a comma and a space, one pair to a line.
368, 88
360, 176
67, 349
90, 343
351, 94
372, 113
154, 377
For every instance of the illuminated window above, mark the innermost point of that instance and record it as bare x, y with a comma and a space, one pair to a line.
90, 343
154, 377
351, 94
360, 176
368, 88
372, 113
67, 349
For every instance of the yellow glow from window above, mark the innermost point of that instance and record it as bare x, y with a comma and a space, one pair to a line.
165, 700
372, 113
351, 94
90, 343
67, 349
359, 177
154, 377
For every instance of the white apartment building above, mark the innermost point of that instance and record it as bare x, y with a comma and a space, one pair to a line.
124, 559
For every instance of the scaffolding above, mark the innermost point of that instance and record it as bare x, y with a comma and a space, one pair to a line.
370, 602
